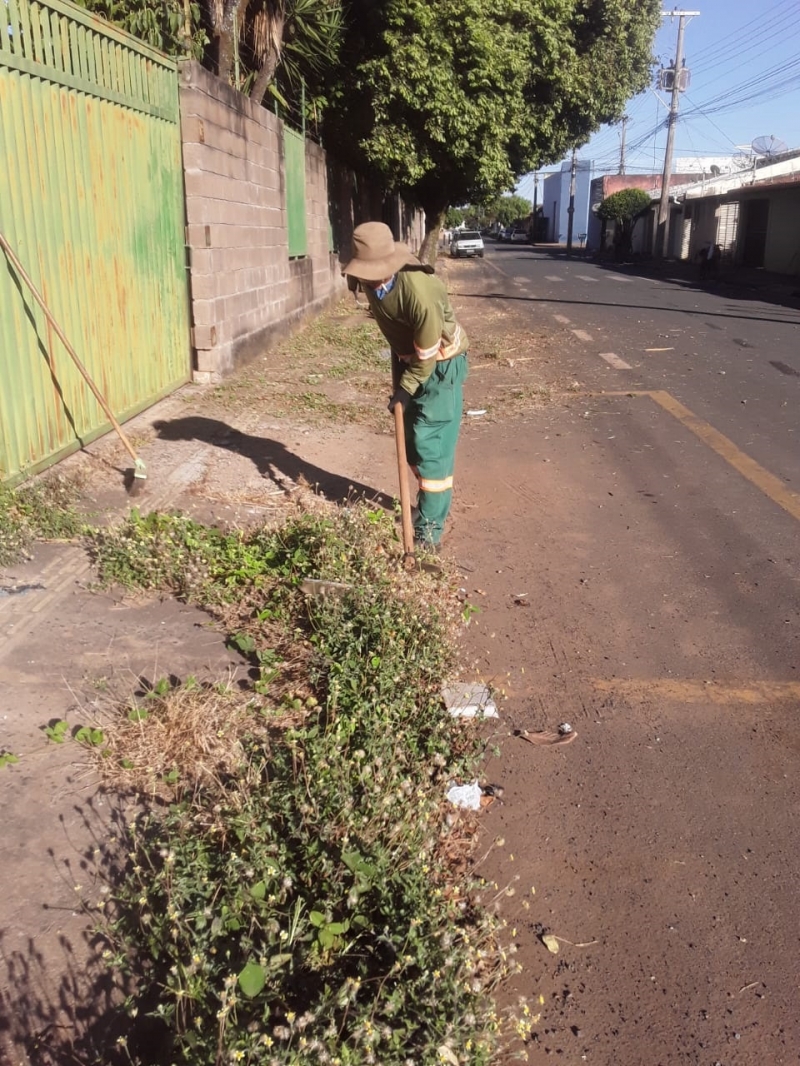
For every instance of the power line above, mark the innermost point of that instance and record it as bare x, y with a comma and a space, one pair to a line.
735, 61
742, 33
751, 91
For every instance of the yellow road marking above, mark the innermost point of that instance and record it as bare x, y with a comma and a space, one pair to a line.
694, 691
754, 472
769, 484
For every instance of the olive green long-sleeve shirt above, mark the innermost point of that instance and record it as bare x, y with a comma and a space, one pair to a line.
417, 320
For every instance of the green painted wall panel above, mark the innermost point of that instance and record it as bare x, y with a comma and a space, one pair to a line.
295, 163
91, 200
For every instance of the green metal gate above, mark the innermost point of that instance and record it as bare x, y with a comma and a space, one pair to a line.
91, 200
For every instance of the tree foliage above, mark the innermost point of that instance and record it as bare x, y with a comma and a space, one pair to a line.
449, 102
509, 209
287, 45
169, 25
287, 42
624, 206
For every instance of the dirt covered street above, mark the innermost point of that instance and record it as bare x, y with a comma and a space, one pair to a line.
626, 579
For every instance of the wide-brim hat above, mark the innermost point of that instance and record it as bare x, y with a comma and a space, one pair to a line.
376, 254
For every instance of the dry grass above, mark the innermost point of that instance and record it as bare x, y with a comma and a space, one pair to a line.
188, 739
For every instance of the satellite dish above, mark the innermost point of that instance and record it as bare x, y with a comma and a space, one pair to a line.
769, 146
715, 170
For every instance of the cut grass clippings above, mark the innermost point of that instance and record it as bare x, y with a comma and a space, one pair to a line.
297, 891
40, 510
331, 370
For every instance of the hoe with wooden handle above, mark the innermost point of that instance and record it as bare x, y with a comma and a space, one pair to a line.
409, 559
319, 589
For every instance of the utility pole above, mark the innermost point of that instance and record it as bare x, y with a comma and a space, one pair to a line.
662, 228
535, 204
625, 121
571, 209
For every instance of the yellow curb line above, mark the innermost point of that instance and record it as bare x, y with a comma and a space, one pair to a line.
756, 474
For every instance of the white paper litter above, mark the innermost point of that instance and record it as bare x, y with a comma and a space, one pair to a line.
468, 797
464, 700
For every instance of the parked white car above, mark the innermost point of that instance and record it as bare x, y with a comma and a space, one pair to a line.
466, 243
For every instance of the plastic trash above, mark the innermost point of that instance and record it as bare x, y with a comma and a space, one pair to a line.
465, 700
468, 797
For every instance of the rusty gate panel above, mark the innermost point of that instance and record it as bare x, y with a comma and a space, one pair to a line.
91, 200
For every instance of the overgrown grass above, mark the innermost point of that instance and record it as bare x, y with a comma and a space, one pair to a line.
307, 375
41, 510
299, 894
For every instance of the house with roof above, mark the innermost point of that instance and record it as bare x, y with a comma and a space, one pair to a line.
753, 215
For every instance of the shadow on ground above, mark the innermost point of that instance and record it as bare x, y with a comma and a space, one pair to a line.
271, 458
78, 1017
732, 281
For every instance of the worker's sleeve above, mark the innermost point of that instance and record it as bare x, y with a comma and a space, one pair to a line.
426, 322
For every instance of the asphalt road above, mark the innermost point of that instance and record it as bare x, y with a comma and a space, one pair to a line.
723, 349
635, 547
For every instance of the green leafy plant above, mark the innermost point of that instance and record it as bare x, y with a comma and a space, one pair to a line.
57, 731
297, 895
40, 510
625, 208
90, 736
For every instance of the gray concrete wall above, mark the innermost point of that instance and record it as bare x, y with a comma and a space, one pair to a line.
245, 290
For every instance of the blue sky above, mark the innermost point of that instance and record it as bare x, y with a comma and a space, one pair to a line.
744, 59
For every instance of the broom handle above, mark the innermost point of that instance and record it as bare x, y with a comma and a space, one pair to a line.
20, 269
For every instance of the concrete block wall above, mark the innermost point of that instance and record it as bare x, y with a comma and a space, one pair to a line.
245, 291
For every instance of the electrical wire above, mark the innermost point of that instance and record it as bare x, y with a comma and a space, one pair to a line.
736, 61
774, 83
729, 41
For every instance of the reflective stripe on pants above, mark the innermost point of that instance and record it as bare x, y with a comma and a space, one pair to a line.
433, 421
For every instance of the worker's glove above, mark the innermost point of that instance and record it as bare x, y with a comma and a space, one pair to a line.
402, 397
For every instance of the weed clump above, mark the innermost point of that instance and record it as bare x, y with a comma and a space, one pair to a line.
41, 510
300, 897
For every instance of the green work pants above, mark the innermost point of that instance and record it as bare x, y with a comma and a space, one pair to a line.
432, 423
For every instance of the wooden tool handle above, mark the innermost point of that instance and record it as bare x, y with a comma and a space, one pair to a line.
402, 471
20, 269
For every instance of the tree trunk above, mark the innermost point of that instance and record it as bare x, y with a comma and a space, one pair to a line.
434, 220
267, 30
265, 76
224, 30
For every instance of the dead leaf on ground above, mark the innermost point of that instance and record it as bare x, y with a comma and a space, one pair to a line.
545, 739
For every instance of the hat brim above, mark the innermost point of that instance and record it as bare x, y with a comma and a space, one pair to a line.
378, 269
